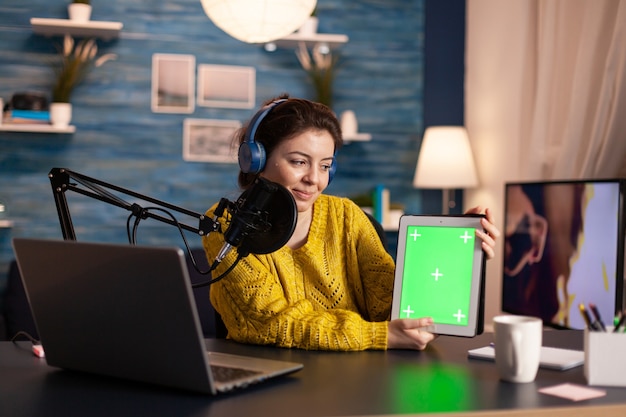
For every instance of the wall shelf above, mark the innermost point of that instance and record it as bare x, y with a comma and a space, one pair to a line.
292, 41
35, 128
91, 28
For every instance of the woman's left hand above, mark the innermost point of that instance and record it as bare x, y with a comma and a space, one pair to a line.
491, 232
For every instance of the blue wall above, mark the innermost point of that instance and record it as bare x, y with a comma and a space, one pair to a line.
120, 141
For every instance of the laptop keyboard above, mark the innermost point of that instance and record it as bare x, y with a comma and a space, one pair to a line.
227, 373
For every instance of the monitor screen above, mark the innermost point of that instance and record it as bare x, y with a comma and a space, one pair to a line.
564, 246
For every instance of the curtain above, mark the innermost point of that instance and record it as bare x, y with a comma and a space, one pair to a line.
577, 128
545, 96
555, 71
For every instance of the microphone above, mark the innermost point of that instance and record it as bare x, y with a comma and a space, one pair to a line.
262, 220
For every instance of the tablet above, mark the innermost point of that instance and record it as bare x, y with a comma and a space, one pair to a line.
440, 273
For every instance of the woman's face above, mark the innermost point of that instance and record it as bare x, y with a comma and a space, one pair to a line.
302, 165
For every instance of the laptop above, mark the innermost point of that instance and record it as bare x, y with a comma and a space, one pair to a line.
129, 312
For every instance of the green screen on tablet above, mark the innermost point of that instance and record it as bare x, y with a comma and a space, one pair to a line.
440, 273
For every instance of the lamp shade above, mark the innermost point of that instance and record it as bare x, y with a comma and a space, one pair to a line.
445, 159
258, 21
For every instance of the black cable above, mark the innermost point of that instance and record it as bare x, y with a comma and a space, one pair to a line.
133, 241
135, 227
28, 336
128, 228
219, 278
142, 215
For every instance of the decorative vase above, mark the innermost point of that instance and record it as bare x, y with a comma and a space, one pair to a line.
79, 12
309, 27
60, 114
349, 124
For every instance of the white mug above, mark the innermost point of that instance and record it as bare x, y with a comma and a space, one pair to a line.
518, 347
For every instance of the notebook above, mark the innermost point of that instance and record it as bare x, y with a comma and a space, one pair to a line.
129, 312
550, 357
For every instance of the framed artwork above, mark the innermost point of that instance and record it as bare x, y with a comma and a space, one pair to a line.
226, 86
207, 140
173, 83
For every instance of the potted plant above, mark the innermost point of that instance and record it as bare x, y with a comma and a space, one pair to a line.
75, 61
79, 10
320, 67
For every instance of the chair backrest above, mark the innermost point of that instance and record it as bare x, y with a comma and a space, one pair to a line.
379, 229
210, 320
15, 307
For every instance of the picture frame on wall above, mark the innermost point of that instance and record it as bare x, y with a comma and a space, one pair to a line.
226, 86
209, 140
173, 83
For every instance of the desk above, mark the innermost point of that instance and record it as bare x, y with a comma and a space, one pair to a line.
440, 379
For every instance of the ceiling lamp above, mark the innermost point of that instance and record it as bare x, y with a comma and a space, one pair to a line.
258, 21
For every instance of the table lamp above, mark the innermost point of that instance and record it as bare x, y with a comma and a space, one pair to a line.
445, 161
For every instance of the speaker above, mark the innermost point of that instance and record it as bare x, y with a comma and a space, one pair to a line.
252, 156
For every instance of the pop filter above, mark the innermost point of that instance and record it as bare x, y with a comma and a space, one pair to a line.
262, 219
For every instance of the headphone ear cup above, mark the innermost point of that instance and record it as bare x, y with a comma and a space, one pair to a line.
332, 170
251, 157
252, 153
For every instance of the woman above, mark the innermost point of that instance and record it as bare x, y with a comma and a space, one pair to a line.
330, 287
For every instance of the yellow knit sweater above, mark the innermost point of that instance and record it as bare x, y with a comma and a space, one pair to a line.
333, 293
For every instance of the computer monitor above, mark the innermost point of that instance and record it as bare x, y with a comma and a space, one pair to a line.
564, 245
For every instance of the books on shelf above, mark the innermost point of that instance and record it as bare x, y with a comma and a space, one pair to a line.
380, 198
27, 117
31, 121
386, 213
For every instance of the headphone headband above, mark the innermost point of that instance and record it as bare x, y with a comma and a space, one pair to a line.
258, 118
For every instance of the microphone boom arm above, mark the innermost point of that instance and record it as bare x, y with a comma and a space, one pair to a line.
60, 180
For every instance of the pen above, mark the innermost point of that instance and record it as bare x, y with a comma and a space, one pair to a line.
618, 321
596, 314
585, 315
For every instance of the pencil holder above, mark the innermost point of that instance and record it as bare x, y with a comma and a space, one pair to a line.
605, 359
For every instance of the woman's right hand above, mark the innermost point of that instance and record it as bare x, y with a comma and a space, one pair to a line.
409, 334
